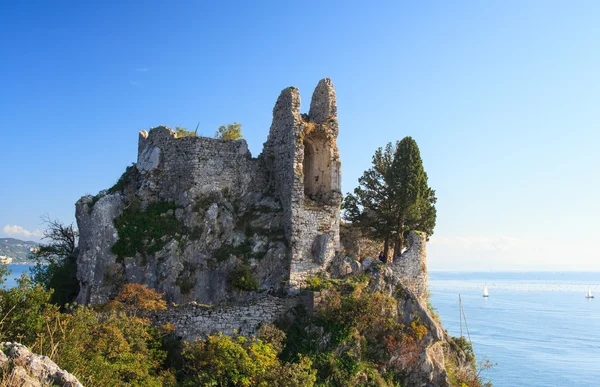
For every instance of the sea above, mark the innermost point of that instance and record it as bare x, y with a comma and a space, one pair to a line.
536, 327
16, 272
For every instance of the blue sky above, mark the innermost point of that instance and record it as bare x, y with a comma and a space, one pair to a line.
502, 98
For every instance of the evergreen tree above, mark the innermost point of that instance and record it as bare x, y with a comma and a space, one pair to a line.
371, 206
393, 196
413, 199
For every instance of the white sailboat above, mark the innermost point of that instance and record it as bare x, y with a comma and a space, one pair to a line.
588, 294
485, 291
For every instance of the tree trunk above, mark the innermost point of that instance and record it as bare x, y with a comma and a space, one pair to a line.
400, 238
386, 248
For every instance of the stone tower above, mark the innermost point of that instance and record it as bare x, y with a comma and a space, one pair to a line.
302, 157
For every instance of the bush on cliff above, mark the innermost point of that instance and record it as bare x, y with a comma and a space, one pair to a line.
229, 132
352, 339
238, 361
349, 336
56, 262
112, 345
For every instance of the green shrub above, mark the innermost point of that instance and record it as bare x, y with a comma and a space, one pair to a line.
22, 309
229, 132
242, 278
316, 282
111, 345
144, 232
183, 132
237, 361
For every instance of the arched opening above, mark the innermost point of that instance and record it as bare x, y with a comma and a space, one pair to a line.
316, 168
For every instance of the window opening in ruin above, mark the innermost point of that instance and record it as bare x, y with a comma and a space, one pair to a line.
316, 168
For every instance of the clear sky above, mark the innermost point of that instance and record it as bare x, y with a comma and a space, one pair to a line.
502, 97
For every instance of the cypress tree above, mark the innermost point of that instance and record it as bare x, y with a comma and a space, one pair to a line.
393, 196
414, 200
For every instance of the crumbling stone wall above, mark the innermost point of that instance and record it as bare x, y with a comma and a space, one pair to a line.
356, 245
411, 267
306, 171
193, 320
194, 166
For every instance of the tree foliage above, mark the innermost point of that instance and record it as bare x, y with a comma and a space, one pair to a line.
238, 361
56, 261
112, 345
393, 196
229, 132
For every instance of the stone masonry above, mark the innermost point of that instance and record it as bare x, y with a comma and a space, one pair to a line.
193, 320
303, 159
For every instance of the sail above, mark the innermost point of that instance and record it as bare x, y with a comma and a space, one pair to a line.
485, 290
589, 293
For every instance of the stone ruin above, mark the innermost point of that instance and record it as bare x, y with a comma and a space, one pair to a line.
217, 213
231, 239
278, 213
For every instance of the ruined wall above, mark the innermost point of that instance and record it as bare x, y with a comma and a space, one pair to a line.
193, 320
355, 244
316, 194
278, 150
214, 194
411, 267
305, 169
194, 166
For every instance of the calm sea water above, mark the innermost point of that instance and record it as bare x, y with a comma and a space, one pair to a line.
16, 271
538, 327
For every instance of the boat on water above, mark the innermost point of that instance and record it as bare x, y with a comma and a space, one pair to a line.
485, 290
588, 294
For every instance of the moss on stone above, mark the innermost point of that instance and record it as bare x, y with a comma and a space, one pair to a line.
93, 202
144, 231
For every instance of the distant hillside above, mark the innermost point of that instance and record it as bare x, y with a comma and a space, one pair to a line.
16, 249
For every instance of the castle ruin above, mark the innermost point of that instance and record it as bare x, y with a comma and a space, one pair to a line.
230, 206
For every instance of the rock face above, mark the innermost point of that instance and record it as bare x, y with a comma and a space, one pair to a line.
194, 212
29, 369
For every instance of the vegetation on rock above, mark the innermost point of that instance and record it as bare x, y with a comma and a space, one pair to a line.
183, 132
56, 262
242, 278
229, 132
145, 231
238, 361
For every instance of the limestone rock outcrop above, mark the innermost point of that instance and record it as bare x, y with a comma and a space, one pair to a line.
31, 370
